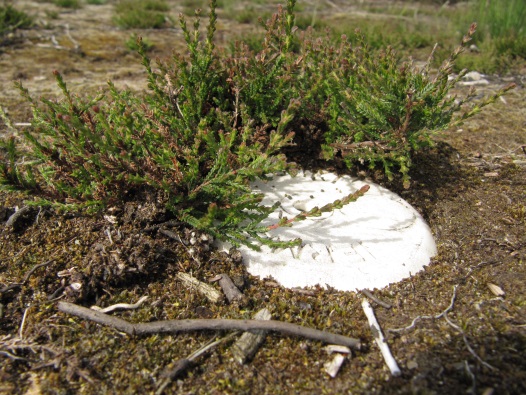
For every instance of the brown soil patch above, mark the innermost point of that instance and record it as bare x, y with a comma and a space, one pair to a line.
470, 188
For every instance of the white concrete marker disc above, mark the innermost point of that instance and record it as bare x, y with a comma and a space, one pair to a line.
377, 240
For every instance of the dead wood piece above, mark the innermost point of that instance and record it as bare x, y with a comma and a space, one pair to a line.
174, 326
179, 368
121, 306
380, 339
232, 293
17, 217
208, 291
375, 299
333, 348
333, 366
249, 342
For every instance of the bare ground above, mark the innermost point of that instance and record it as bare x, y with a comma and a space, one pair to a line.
470, 188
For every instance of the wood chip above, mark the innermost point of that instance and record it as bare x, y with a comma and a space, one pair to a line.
496, 290
333, 367
232, 293
332, 348
248, 344
208, 291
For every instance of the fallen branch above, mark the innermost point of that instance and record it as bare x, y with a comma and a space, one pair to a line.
380, 339
174, 326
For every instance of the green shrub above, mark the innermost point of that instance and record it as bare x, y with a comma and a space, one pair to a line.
139, 14
11, 19
211, 123
381, 112
134, 43
75, 4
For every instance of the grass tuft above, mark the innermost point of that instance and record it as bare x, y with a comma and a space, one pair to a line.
12, 19
139, 14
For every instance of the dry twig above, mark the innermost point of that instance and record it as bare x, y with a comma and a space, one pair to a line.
446, 318
26, 277
380, 339
367, 293
121, 306
173, 326
429, 317
183, 364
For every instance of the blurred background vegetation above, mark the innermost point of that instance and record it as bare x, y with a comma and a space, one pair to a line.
412, 27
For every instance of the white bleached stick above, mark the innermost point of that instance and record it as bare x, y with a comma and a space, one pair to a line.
380, 339
121, 306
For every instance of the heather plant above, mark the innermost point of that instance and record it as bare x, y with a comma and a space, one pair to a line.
364, 105
211, 123
381, 112
185, 142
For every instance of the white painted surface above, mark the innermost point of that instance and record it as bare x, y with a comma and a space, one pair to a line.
370, 243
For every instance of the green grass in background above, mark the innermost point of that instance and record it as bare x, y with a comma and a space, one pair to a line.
11, 19
74, 4
141, 14
501, 38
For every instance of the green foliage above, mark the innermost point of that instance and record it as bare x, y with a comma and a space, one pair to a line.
11, 19
181, 142
381, 112
502, 18
75, 4
212, 122
141, 14
133, 43
502, 34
